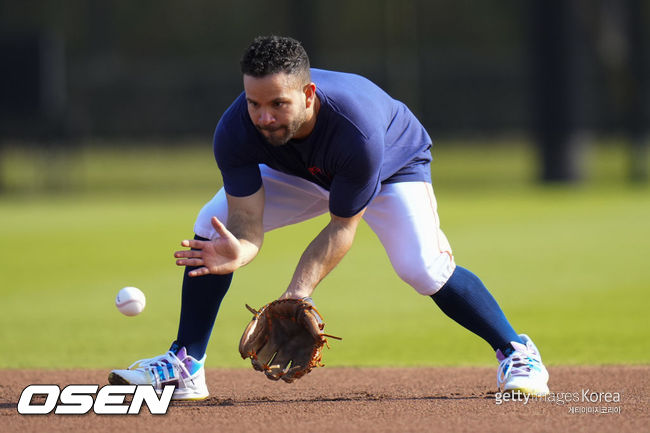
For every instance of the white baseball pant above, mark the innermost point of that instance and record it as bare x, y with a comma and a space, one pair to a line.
403, 215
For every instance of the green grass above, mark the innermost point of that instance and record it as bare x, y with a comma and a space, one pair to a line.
568, 264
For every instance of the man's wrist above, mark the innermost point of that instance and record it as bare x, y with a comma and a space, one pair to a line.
297, 293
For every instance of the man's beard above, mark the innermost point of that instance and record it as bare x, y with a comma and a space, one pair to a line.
280, 135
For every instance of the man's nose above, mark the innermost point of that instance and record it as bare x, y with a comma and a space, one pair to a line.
266, 118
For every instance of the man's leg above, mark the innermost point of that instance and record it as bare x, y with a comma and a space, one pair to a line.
465, 299
200, 302
288, 200
404, 216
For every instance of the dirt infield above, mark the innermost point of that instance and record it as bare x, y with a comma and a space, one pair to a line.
363, 400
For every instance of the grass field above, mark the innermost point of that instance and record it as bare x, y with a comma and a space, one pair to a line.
568, 264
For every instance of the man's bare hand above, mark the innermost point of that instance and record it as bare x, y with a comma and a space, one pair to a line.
219, 256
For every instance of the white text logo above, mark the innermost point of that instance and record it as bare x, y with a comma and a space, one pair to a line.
80, 399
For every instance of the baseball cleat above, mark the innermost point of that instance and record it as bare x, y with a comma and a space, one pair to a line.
522, 370
178, 369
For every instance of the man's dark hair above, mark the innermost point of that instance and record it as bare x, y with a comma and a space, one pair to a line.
268, 55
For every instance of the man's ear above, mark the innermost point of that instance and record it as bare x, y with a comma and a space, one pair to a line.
310, 94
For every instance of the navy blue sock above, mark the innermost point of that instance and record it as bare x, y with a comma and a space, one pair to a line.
465, 299
200, 303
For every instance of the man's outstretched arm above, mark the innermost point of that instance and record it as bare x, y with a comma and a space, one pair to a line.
322, 255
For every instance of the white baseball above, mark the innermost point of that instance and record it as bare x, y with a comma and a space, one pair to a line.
130, 301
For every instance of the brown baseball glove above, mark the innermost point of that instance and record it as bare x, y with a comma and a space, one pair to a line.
284, 339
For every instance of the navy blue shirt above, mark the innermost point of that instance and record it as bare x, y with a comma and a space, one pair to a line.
362, 138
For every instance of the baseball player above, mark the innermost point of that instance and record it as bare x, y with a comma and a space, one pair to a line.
300, 142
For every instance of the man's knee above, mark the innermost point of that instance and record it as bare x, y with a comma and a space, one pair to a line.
425, 278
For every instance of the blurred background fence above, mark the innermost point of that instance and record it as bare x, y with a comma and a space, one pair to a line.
554, 71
